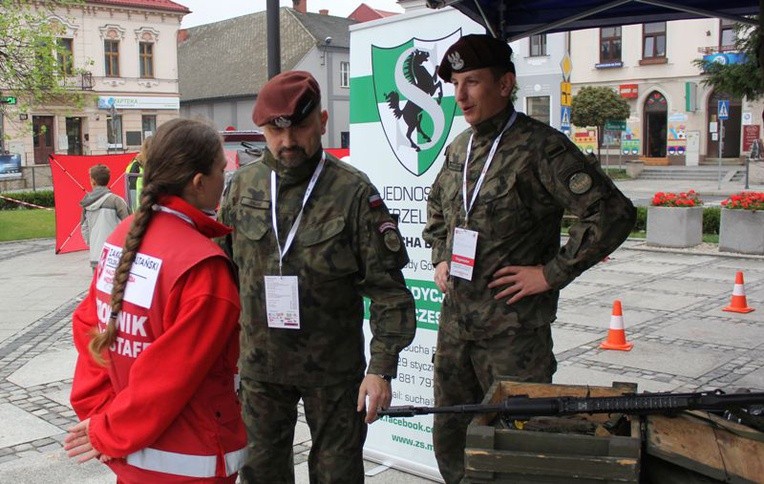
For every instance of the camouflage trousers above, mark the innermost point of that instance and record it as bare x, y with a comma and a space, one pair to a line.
337, 432
464, 370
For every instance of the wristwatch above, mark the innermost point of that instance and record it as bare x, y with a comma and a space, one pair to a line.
387, 378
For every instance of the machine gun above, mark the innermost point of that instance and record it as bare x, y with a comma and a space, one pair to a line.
522, 407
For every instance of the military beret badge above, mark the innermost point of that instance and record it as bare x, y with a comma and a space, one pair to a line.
282, 122
456, 61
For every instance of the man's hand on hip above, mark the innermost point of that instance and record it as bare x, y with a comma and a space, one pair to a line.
518, 282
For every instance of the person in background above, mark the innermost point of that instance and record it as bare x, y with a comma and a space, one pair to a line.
494, 216
157, 334
311, 239
102, 211
134, 175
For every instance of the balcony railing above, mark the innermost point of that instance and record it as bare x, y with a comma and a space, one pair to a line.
713, 49
81, 81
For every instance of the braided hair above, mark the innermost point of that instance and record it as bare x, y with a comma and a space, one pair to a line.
179, 150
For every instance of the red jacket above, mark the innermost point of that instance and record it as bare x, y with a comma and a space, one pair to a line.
166, 403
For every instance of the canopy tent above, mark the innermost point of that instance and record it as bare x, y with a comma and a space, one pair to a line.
515, 19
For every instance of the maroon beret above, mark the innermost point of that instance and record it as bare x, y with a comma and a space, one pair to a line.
475, 52
286, 99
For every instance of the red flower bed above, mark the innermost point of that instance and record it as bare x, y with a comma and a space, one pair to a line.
745, 201
683, 199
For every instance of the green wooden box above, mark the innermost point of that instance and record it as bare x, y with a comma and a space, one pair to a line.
506, 455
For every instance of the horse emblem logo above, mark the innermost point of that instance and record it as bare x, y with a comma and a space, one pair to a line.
415, 107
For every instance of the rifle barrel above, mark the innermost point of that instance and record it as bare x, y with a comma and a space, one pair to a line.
522, 406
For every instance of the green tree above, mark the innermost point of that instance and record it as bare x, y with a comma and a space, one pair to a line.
32, 58
593, 106
739, 80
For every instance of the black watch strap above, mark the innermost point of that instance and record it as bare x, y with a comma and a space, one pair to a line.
387, 378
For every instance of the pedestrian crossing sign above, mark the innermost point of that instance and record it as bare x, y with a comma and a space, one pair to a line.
565, 117
724, 109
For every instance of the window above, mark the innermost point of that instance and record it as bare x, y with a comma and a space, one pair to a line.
538, 45
146, 56
344, 74
610, 45
654, 40
726, 35
114, 131
148, 125
538, 108
111, 57
65, 55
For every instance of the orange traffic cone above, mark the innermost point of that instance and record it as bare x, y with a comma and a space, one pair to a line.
616, 336
739, 303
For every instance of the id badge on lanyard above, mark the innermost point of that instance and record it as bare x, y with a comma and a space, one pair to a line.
282, 302
282, 296
465, 240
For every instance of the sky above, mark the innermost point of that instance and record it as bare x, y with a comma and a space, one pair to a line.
208, 11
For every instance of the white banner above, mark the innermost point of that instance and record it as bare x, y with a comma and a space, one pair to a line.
394, 83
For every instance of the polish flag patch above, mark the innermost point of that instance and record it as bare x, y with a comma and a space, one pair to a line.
375, 201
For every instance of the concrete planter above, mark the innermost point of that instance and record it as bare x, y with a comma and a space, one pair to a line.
634, 168
741, 231
674, 226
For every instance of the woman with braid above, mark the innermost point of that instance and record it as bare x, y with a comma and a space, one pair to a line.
157, 335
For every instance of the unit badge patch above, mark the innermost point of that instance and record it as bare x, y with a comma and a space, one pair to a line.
580, 183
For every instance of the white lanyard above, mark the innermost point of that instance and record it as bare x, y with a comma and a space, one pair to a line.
293, 230
494, 147
182, 216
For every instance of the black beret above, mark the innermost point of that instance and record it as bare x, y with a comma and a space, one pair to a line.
475, 52
286, 99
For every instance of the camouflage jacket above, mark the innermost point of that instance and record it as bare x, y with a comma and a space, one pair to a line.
536, 174
347, 246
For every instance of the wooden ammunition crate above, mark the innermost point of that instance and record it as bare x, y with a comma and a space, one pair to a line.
506, 455
695, 447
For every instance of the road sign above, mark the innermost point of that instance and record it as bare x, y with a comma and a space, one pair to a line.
566, 95
566, 65
565, 117
723, 109
7, 100
615, 125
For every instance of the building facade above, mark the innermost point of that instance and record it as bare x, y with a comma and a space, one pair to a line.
125, 56
675, 118
234, 53
539, 74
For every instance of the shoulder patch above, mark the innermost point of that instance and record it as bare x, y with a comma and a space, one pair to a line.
385, 226
390, 235
392, 241
375, 201
579, 182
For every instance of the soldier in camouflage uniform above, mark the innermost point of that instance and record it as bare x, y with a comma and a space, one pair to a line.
339, 244
497, 322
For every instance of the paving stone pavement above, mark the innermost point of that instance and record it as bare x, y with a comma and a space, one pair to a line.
672, 301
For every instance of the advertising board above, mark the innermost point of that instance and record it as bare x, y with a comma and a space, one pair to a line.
393, 64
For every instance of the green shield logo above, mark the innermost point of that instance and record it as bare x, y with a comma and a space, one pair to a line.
416, 108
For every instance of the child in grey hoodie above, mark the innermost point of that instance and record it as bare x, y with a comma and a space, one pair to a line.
102, 211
